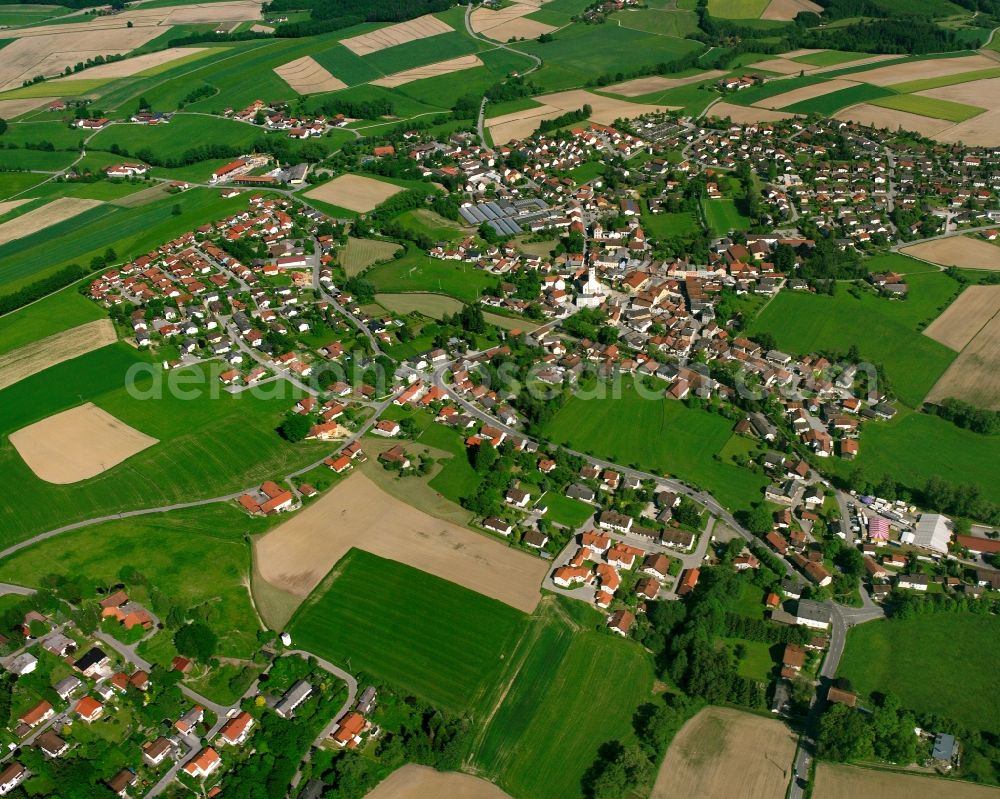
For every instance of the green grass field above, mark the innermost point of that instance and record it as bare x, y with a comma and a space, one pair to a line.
667, 225
885, 331
15, 183
342, 63
547, 731
737, 9
829, 104
827, 58
563, 510
934, 663
665, 23
772, 89
183, 133
421, 633
53, 314
423, 220
416, 271
420, 52
656, 435
930, 107
29, 14
56, 88
924, 84
130, 231
191, 556
723, 216
207, 446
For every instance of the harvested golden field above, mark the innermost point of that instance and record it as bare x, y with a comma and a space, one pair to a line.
852, 782
429, 71
40, 355
604, 111
359, 254
984, 92
9, 205
980, 131
782, 66
296, 556
133, 66
76, 444
508, 23
14, 108
354, 192
861, 62
306, 76
422, 782
974, 376
964, 252
657, 83
965, 317
722, 753
890, 119
929, 68
806, 93
786, 10
742, 115
43, 217
390, 36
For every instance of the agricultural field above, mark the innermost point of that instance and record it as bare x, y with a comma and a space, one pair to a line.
835, 781
656, 435
40, 354
723, 216
412, 782
199, 556
975, 374
666, 23
443, 642
225, 443
359, 254
54, 314
171, 141
416, 271
827, 58
737, 9
965, 317
933, 107
46, 216
723, 752
804, 323
933, 663
354, 192
543, 718
965, 252
829, 104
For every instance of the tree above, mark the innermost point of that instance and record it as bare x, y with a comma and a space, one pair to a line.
758, 520
176, 210
845, 735
3, 126
688, 513
295, 427
196, 640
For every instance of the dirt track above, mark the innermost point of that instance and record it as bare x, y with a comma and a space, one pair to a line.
421, 782
296, 556
76, 444
40, 355
723, 753
47, 215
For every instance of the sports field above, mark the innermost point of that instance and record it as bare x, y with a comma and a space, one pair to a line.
803, 323
545, 731
722, 753
656, 435
443, 642
835, 781
188, 556
208, 446
933, 663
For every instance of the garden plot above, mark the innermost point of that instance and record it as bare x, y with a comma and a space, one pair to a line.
77, 444
308, 77
133, 66
805, 93
354, 192
657, 83
742, 115
38, 356
965, 317
296, 556
384, 38
49, 214
786, 10
890, 119
509, 22
429, 71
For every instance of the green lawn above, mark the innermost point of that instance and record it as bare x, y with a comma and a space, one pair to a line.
563, 510
723, 216
829, 104
758, 664
191, 556
885, 331
930, 107
423, 634
207, 446
457, 478
574, 691
41, 160
416, 271
54, 314
668, 226
737, 9
935, 663
13, 183
423, 220
656, 435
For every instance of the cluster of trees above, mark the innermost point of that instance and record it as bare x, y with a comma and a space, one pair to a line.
937, 494
39, 288
565, 119
886, 733
467, 106
358, 109
591, 323
331, 15
401, 202
967, 415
